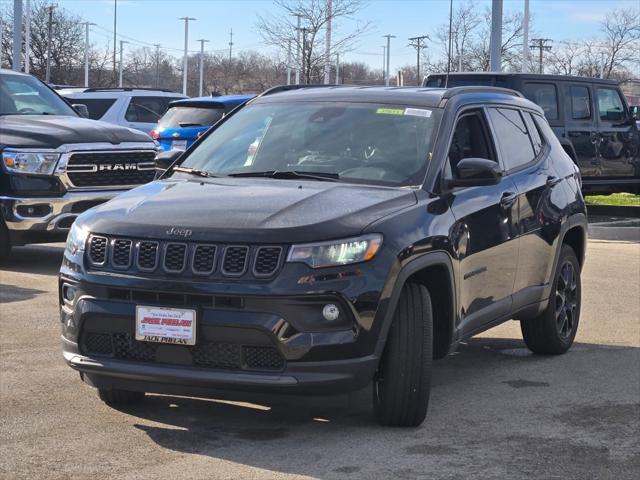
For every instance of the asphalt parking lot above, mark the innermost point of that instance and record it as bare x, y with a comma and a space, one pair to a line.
496, 410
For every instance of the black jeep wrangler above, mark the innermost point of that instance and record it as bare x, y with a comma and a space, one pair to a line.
590, 117
321, 238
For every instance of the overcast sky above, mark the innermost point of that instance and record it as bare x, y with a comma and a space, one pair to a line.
146, 22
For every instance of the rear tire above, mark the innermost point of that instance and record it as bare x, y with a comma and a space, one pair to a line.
120, 397
553, 331
5, 243
403, 381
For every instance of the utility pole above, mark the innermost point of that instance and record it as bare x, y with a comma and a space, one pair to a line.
86, 52
115, 29
17, 35
122, 42
541, 45
230, 44
27, 39
337, 69
289, 63
495, 56
384, 61
386, 77
157, 45
298, 62
185, 60
327, 45
304, 53
525, 38
202, 42
47, 76
416, 42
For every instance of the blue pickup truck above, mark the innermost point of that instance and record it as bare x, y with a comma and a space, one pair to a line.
187, 119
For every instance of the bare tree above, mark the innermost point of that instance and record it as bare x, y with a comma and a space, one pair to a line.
621, 29
279, 30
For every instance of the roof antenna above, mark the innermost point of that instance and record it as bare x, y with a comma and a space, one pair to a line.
446, 81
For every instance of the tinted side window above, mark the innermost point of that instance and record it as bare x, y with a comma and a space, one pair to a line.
147, 109
610, 106
97, 106
512, 136
545, 95
470, 139
580, 103
534, 132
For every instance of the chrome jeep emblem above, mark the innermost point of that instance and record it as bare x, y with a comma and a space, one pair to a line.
179, 232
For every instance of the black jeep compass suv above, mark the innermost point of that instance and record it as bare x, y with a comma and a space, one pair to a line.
321, 238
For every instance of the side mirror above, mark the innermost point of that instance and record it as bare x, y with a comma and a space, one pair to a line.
164, 160
473, 172
81, 109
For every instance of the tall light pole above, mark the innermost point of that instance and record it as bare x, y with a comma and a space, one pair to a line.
495, 55
27, 38
388, 37
337, 69
289, 62
115, 29
17, 35
86, 52
47, 76
384, 61
202, 42
122, 42
525, 38
298, 62
327, 44
157, 45
185, 61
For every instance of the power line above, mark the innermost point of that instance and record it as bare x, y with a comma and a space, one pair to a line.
417, 43
541, 45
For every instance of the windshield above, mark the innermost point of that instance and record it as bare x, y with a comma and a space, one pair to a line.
357, 142
177, 117
24, 95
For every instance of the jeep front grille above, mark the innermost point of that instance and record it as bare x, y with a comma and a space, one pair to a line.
184, 258
111, 169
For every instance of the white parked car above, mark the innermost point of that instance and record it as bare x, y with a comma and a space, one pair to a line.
136, 108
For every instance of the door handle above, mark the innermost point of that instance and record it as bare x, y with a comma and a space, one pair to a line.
508, 199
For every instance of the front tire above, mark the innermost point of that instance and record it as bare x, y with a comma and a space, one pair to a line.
403, 381
5, 242
553, 331
120, 397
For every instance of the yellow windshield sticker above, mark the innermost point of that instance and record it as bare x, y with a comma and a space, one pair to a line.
390, 111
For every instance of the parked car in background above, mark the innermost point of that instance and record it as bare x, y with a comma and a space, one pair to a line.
187, 119
137, 108
590, 117
371, 230
55, 164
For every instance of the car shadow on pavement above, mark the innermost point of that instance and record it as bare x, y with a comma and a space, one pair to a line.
488, 377
13, 293
38, 259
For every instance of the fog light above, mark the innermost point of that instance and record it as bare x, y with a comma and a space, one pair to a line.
330, 312
69, 293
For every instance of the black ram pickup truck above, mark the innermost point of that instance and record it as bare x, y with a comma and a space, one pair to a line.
590, 117
55, 164
322, 238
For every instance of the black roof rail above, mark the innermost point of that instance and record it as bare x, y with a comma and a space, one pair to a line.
127, 89
285, 88
453, 91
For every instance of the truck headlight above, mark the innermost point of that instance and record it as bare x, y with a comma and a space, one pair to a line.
338, 252
30, 162
76, 239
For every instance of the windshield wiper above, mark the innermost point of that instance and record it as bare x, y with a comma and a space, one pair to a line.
194, 171
291, 175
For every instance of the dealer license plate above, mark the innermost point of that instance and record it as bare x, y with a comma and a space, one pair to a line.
166, 325
179, 145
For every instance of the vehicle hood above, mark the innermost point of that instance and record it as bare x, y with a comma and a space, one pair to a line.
246, 210
51, 131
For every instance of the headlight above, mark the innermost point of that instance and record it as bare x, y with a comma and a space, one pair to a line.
76, 239
338, 252
19, 161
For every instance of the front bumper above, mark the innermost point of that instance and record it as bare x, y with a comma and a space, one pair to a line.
47, 218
